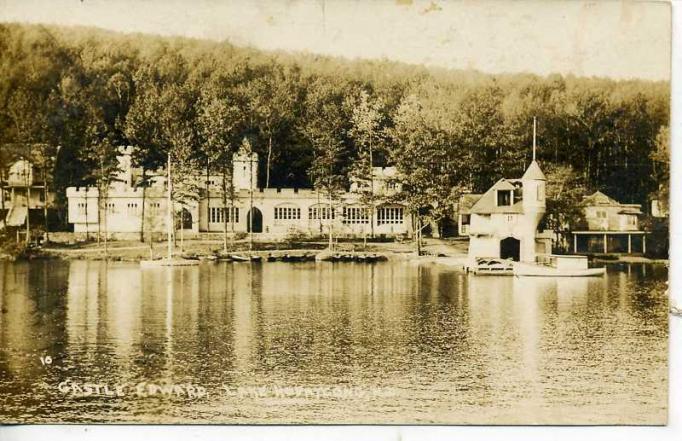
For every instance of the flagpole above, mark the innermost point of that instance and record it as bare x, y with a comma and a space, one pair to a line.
169, 217
535, 123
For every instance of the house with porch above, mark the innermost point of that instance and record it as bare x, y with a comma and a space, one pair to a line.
22, 194
610, 227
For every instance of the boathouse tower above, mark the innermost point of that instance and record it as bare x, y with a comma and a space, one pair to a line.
534, 206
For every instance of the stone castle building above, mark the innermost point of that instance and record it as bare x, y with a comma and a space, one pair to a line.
275, 212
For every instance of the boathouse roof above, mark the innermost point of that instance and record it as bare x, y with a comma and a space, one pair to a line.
487, 204
534, 172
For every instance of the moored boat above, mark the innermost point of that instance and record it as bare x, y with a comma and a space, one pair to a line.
493, 267
168, 262
558, 266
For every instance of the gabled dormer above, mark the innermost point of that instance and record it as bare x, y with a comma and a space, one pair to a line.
504, 194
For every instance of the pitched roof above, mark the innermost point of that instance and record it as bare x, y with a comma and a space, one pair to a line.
630, 210
467, 201
534, 172
487, 203
599, 198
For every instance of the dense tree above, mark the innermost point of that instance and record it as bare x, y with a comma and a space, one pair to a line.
192, 99
220, 122
429, 167
366, 131
270, 106
324, 127
565, 192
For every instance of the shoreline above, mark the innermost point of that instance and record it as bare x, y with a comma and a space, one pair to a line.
452, 253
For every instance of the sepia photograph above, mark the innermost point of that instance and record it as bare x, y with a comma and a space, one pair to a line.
285, 212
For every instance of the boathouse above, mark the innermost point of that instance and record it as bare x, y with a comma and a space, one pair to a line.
503, 221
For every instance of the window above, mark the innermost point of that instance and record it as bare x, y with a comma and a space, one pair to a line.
601, 214
504, 198
287, 213
466, 219
510, 218
223, 214
317, 212
131, 208
541, 192
155, 207
355, 215
81, 208
389, 215
41, 196
111, 207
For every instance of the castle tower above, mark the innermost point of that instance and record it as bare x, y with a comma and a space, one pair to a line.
534, 206
245, 167
124, 175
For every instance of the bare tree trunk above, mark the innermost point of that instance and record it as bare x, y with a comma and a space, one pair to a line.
371, 191
330, 219
99, 216
182, 228
228, 171
225, 211
87, 224
144, 202
28, 202
2, 196
417, 235
267, 169
208, 195
45, 210
103, 195
106, 226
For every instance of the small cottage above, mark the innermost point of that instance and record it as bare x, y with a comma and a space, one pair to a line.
609, 227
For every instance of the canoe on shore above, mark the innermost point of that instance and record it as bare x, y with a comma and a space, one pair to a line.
168, 262
338, 257
241, 258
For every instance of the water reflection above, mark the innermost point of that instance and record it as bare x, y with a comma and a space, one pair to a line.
451, 347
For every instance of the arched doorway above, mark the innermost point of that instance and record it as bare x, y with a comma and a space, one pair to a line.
185, 219
510, 248
257, 223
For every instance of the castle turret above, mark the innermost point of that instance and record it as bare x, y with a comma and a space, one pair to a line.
534, 206
245, 168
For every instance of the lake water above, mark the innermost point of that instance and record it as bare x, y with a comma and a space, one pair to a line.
391, 342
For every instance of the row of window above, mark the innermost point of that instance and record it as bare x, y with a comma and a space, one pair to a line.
219, 215
324, 213
287, 213
355, 215
351, 215
389, 215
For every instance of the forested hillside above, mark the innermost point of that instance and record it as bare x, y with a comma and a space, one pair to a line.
318, 120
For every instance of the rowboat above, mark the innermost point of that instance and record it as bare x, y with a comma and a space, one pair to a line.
492, 267
240, 258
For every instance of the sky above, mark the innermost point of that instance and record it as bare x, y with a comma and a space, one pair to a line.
617, 39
